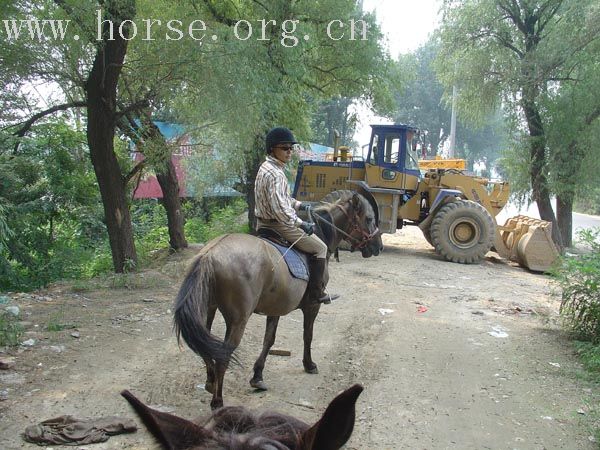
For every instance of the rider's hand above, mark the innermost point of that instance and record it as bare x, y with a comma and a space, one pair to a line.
308, 227
305, 206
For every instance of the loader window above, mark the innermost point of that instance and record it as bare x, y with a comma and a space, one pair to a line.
392, 149
374, 150
412, 157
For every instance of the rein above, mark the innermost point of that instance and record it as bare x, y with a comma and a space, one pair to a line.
356, 242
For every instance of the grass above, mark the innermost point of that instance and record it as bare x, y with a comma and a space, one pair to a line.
57, 322
590, 357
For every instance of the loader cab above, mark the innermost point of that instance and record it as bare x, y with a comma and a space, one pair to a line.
392, 160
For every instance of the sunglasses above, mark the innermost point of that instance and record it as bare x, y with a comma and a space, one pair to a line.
287, 148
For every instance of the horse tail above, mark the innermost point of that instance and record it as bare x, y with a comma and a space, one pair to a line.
191, 306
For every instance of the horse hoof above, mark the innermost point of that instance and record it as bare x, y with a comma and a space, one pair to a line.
216, 404
258, 385
311, 369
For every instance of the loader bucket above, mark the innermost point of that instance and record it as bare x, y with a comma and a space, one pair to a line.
527, 241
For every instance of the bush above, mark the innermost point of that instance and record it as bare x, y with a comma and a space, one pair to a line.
10, 329
223, 220
579, 279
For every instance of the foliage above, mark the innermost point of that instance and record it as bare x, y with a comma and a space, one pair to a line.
519, 54
574, 131
334, 114
590, 355
226, 92
279, 85
225, 220
51, 208
579, 280
5, 232
588, 201
421, 103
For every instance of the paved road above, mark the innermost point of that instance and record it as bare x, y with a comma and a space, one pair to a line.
580, 221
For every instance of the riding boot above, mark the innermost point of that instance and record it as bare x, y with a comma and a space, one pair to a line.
316, 282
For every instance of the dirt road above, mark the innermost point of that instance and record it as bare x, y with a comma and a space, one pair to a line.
451, 356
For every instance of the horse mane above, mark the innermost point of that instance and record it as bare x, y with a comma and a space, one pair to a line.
344, 197
236, 425
325, 208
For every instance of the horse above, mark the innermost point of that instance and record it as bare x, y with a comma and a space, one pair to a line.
234, 427
241, 274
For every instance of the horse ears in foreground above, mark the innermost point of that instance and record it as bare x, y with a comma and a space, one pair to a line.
266, 431
356, 203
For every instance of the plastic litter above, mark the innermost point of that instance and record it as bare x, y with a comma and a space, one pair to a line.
498, 332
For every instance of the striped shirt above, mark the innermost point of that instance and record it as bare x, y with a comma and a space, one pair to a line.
272, 196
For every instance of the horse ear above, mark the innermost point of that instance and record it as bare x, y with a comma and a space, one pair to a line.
174, 433
335, 426
356, 203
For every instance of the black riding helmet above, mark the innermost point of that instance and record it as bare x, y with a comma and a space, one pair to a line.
278, 135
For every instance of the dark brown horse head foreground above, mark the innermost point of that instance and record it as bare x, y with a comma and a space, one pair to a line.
361, 231
237, 428
240, 274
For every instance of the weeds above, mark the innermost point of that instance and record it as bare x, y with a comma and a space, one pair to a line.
10, 329
579, 280
58, 323
224, 220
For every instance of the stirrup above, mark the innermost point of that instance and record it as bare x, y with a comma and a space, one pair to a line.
327, 298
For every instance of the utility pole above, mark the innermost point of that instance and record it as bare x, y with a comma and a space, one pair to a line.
453, 125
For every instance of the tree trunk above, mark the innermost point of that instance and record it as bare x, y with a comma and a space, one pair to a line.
254, 158
537, 170
564, 213
167, 178
101, 91
172, 204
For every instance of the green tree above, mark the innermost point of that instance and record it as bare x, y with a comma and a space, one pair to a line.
286, 77
50, 206
334, 115
421, 103
513, 52
573, 131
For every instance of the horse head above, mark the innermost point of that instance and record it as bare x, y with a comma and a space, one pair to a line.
352, 220
238, 428
367, 237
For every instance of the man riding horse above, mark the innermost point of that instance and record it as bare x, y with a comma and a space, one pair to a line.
277, 210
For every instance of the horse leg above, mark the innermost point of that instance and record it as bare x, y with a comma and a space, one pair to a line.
233, 337
310, 314
209, 386
270, 330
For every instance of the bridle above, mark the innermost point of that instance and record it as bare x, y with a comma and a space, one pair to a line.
353, 227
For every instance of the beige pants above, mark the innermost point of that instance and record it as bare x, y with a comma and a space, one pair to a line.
312, 244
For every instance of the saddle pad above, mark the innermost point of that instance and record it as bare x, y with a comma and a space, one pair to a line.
295, 261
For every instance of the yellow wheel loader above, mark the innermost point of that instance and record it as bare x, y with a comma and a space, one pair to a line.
455, 211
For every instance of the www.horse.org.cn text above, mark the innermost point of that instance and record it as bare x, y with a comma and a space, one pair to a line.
287, 32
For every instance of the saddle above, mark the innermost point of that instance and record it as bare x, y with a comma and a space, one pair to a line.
296, 260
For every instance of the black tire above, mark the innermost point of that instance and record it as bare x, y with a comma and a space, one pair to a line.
462, 231
427, 236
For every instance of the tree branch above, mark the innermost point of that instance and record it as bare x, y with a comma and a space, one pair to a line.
137, 169
217, 15
29, 123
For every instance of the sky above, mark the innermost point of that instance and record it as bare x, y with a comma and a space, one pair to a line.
407, 25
